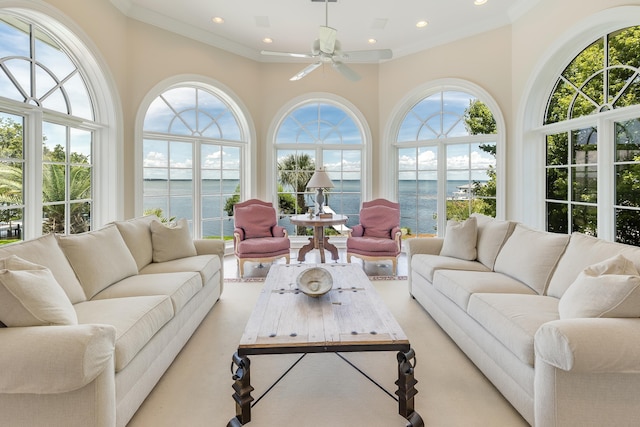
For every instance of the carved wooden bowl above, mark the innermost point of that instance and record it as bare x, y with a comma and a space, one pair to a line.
315, 281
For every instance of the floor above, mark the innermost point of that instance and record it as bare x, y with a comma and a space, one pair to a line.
256, 270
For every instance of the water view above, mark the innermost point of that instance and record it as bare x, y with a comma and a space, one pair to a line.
418, 214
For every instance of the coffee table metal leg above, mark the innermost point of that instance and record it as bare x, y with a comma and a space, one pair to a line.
243, 389
406, 390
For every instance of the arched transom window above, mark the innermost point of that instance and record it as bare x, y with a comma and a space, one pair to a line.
446, 152
192, 159
45, 110
593, 141
319, 134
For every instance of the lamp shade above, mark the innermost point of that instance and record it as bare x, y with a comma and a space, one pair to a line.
320, 179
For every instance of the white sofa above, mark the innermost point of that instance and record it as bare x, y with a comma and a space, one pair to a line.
133, 294
552, 320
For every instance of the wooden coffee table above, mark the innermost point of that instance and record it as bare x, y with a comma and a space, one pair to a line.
351, 317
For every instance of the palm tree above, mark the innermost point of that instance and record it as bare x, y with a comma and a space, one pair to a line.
295, 171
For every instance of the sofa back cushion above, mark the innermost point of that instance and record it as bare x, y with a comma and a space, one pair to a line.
136, 233
99, 258
531, 256
583, 251
492, 234
45, 251
256, 220
378, 221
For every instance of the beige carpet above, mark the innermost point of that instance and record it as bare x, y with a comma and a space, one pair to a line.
322, 390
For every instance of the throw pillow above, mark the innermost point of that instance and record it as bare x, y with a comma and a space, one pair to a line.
99, 258
492, 234
460, 239
136, 233
171, 241
608, 289
31, 296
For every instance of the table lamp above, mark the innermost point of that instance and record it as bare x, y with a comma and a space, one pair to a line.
319, 180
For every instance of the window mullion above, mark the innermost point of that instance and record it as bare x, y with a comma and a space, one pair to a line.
606, 179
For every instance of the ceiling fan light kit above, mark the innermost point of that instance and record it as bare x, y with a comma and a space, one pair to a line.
326, 48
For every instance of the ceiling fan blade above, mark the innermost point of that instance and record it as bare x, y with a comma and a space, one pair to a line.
346, 71
290, 54
367, 55
327, 39
305, 71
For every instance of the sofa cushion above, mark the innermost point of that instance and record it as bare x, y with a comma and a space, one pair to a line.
206, 265
531, 256
46, 252
30, 295
136, 320
426, 265
180, 287
171, 241
514, 319
136, 233
607, 289
460, 239
99, 258
263, 218
459, 285
583, 251
492, 234
378, 221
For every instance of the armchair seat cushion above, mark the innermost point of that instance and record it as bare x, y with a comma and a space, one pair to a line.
262, 247
369, 245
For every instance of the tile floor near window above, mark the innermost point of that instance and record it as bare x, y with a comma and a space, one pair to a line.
255, 270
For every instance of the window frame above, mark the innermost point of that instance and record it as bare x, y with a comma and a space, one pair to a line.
529, 148
106, 126
247, 151
354, 113
389, 162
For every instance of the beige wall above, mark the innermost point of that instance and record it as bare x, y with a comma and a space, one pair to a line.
140, 56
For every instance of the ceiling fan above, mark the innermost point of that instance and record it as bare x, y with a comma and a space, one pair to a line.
327, 49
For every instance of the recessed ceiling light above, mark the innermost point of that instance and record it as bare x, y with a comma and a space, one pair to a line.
422, 24
218, 20
479, 2
372, 41
267, 40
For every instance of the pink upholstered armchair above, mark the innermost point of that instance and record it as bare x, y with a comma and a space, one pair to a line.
378, 236
257, 236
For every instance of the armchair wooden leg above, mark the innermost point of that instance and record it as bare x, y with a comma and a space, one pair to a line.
241, 267
348, 258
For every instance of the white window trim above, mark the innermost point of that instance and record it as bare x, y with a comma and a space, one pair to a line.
389, 156
248, 158
108, 143
529, 143
328, 98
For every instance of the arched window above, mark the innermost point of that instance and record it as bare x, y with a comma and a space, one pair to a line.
49, 129
593, 141
193, 144
320, 133
446, 147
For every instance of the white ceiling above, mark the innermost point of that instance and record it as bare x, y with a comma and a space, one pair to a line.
293, 24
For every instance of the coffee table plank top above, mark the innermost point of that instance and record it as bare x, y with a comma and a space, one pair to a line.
351, 314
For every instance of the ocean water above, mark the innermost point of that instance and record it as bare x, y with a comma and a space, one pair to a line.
417, 214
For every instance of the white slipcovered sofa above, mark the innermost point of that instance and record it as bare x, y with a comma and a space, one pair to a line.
92, 321
552, 320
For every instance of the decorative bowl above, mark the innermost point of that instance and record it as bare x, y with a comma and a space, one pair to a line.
315, 281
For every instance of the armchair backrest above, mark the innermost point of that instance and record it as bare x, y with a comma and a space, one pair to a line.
378, 217
256, 217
